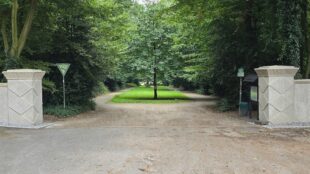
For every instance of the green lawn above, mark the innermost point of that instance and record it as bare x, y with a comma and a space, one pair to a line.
146, 95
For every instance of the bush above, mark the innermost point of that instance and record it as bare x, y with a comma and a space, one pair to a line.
100, 89
2, 65
131, 85
59, 111
225, 105
184, 84
113, 84
200, 91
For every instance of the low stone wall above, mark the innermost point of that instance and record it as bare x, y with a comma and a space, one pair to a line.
21, 98
282, 99
302, 100
3, 103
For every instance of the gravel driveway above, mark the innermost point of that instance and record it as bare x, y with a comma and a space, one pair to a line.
184, 138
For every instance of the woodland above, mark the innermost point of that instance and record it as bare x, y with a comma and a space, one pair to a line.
195, 45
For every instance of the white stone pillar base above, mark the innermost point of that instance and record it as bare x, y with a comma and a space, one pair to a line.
25, 107
276, 94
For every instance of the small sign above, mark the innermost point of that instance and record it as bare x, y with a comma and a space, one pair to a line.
253, 93
240, 72
63, 68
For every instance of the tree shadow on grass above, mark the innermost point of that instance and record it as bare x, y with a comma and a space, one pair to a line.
164, 89
167, 98
208, 99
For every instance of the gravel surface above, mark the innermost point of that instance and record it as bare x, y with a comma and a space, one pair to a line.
184, 138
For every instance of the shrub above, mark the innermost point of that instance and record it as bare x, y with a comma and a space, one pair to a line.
101, 88
200, 91
184, 84
69, 111
113, 84
225, 105
131, 85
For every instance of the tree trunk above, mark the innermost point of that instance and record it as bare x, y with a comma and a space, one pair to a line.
304, 49
307, 71
14, 47
17, 41
4, 35
306, 63
155, 84
27, 26
250, 34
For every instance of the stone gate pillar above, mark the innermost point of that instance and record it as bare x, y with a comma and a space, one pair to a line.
276, 94
24, 97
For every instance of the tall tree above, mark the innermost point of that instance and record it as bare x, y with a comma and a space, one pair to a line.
150, 49
10, 13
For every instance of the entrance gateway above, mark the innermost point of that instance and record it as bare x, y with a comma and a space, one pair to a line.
21, 99
282, 99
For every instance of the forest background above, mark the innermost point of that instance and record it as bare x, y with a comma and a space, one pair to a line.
195, 45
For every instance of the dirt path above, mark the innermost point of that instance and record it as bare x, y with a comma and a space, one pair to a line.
185, 138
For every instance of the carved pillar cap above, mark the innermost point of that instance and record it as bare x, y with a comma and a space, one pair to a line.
24, 74
276, 71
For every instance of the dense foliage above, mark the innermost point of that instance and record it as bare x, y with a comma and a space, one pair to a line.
86, 34
219, 37
195, 45
150, 56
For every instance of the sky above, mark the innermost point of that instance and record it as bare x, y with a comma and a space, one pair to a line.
145, 1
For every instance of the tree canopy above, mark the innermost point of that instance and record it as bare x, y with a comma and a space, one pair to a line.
195, 45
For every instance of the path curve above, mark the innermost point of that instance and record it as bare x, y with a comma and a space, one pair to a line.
189, 138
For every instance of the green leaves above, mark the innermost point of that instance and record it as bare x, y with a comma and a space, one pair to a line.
89, 34
290, 31
215, 37
150, 44
5, 3
196, 44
